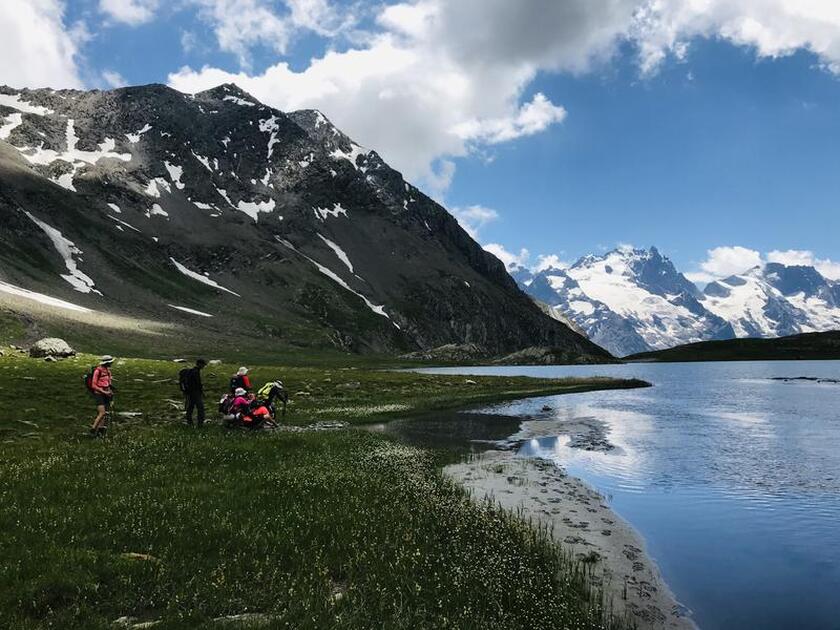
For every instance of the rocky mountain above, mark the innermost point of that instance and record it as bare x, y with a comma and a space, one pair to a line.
628, 300
634, 300
776, 301
215, 212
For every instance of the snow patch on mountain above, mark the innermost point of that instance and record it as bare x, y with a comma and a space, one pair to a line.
323, 213
205, 161
270, 126
121, 223
68, 251
11, 289
379, 310
15, 102
200, 277
175, 173
191, 311
253, 208
239, 101
15, 120
134, 138
342, 256
156, 210
351, 156
74, 156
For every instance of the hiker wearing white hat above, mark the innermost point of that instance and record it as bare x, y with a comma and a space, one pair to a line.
100, 384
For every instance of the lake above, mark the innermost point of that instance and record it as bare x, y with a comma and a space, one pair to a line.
731, 477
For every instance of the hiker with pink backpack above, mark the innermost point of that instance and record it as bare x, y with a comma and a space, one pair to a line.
99, 383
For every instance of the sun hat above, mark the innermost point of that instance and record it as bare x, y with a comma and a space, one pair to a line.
242, 371
106, 359
240, 391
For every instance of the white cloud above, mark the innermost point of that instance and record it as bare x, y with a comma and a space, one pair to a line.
241, 25
439, 79
473, 218
189, 41
38, 51
439, 178
791, 257
113, 79
531, 118
509, 259
131, 12
773, 28
730, 260
416, 94
549, 261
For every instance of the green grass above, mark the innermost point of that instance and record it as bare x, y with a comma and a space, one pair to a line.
12, 327
342, 529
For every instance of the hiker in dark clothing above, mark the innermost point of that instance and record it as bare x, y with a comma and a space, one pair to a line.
193, 389
240, 379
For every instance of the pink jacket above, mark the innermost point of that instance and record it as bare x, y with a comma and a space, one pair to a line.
240, 404
101, 381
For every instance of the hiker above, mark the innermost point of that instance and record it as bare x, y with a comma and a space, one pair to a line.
259, 415
240, 379
272, 391
241, 403
238, 407
101, 385
189, 380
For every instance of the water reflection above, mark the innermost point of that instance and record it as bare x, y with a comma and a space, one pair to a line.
732, 478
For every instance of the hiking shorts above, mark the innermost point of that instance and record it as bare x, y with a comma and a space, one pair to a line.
104, 400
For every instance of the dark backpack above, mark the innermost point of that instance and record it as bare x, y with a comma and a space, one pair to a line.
185, 380
88, 379
225, 404
236, 381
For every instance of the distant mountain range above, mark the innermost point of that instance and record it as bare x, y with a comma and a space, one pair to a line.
634, 300
213, 212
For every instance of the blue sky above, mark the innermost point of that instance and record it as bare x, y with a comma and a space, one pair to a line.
561, 128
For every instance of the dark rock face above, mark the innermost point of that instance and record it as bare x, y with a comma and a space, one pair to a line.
216, 211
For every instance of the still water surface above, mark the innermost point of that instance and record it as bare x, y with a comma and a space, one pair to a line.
732, 479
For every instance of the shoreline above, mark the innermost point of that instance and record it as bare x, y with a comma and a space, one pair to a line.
578, 518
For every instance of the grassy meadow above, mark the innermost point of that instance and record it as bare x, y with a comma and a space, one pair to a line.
189, 528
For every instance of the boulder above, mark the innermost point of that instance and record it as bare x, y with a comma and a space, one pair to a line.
51, 347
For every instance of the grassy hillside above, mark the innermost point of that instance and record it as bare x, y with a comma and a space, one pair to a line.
302, 528
825, 345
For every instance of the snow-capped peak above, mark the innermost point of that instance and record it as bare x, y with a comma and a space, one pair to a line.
631, 300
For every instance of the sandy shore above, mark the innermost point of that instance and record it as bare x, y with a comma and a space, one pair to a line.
579, 518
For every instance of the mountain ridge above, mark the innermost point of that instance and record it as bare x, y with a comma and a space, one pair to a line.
635, 300
213, 210
804, 346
